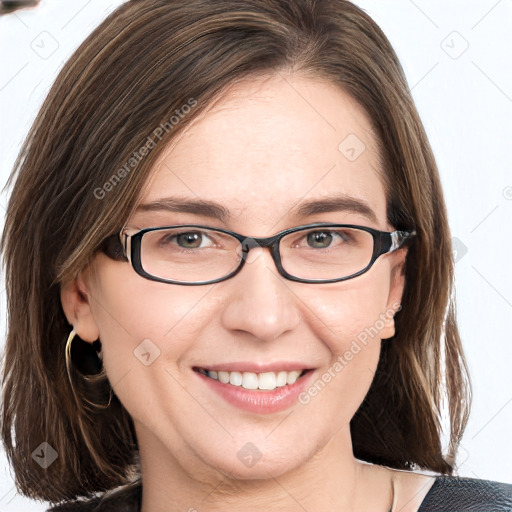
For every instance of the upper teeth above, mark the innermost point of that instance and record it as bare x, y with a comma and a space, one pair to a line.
250, 380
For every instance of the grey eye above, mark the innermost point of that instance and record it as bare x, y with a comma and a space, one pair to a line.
319, 239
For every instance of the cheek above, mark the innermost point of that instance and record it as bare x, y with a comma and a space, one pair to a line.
351, 310
348, 318
139, 321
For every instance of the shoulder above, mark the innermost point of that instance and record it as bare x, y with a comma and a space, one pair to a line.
456, 494
409, 489
417, 492
125, 499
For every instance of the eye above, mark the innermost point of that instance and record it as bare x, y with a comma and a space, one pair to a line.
319, 239
323, 239
186, 240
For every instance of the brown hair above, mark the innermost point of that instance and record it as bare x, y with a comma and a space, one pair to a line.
142, 64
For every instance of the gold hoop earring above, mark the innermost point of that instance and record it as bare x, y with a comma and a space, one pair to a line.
71, 336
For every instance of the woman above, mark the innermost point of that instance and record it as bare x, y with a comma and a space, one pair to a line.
239, 289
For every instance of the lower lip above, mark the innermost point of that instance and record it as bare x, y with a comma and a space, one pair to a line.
260, 402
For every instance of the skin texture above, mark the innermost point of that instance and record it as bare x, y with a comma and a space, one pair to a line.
264, 146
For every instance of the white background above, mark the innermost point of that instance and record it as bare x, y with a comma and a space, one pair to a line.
457, 57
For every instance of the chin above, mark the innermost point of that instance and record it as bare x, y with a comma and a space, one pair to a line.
258, 457
262, 469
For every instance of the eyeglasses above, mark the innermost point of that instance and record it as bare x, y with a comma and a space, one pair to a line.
193, 254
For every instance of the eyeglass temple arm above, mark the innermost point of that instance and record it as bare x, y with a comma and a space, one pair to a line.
398, 238
113, 247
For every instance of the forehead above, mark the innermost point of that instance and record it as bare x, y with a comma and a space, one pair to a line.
268, 144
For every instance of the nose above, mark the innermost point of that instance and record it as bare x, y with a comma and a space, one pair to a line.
260, 301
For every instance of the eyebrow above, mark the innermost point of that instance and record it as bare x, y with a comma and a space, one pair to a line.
338, 203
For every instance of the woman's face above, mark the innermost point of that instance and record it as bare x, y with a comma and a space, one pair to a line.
262, 151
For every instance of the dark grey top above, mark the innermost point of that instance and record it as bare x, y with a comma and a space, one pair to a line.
447, 494
451, 494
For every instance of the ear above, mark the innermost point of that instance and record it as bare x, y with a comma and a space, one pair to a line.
396, 289
76, 305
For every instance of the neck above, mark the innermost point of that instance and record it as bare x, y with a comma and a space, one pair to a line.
330, 479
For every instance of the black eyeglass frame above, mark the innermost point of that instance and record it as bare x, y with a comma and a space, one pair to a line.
383, 242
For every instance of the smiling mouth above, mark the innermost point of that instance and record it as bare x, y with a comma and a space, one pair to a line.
264, 381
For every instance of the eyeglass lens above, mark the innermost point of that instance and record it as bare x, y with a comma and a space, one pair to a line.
196, 254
